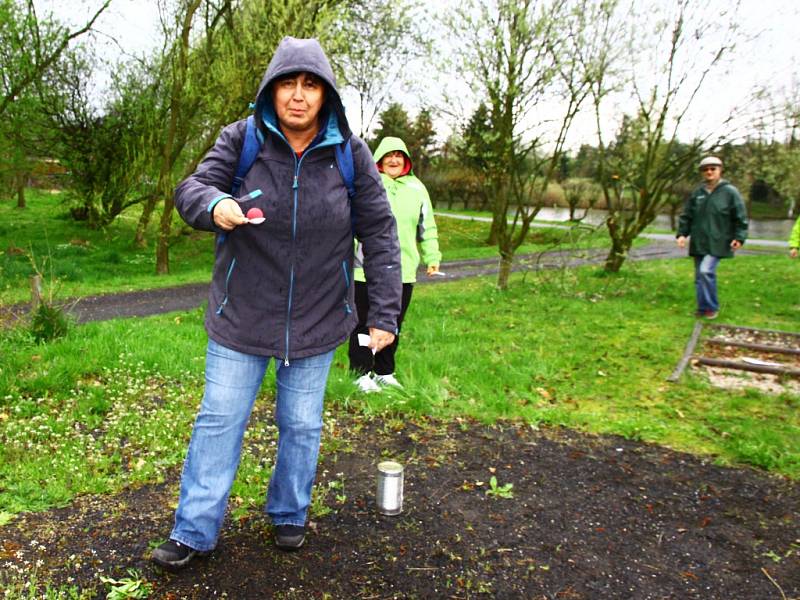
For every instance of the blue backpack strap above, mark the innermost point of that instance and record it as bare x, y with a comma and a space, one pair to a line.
344, 158
250, 149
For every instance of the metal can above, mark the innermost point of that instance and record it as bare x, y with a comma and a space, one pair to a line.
390, 487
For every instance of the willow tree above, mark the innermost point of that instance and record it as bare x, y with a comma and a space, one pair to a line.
532, 63
670, 52
217, 53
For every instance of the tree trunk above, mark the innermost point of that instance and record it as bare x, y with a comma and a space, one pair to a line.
493, 234
165, 185
617, 255
162, 248
20, 185
144, 221
505, 270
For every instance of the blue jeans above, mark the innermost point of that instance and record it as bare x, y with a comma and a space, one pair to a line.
232, 383
705, 282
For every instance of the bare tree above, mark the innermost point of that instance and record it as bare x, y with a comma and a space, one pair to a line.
580, 193
530, 59
377, 42
776, 159
639, 171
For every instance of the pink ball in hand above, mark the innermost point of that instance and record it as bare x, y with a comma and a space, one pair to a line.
255, 216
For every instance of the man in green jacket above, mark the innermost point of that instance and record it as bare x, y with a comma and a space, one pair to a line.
715, 220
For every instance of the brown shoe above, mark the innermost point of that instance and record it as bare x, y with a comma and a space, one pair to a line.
711, 314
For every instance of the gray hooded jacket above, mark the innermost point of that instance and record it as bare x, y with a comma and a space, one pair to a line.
284, 288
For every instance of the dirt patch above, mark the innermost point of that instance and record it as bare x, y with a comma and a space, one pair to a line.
590, 517
730, 379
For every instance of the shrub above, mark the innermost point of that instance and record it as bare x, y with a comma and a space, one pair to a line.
48, 323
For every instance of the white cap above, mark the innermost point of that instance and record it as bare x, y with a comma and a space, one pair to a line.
710, 160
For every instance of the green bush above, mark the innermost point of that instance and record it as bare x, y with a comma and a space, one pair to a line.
48, 323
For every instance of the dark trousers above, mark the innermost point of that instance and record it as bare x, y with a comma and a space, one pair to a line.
361, 358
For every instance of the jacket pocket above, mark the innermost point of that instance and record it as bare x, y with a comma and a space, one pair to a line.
222, 304
346, 273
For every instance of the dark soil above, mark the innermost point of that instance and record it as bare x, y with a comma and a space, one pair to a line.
591, 517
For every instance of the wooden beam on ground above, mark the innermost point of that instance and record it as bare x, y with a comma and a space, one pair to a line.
741, 366
754, 330
687, 353
760, 347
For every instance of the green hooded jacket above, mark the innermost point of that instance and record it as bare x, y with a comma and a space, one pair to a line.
713, 220
794, 237
413, 212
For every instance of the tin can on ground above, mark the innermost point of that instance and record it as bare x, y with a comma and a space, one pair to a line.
390, 487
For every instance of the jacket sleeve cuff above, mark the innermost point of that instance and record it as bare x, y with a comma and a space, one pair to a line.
383, 326
216, 201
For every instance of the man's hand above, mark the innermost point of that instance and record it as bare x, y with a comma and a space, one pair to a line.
433, 269
379, 339
681, 241
227, 214
793, 253
735, 245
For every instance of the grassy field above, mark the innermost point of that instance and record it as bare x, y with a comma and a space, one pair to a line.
112, 403
79, 261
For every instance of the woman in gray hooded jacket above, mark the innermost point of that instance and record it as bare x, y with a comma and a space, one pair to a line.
281, 288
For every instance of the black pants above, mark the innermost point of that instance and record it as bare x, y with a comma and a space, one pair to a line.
361, 359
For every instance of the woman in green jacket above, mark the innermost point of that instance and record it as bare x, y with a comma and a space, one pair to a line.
413, 212
794, 239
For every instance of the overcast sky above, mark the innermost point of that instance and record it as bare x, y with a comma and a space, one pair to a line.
770, 59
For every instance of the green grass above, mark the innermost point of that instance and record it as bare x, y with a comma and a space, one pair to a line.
111, 404
81, 261
461, 239
77, 261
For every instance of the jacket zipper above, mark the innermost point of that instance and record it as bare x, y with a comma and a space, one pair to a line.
297, 164
291, 270
295, 186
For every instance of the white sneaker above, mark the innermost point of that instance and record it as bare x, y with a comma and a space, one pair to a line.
388, 380
366, 384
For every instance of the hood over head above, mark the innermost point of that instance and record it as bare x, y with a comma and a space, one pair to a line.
392, 144
296, 55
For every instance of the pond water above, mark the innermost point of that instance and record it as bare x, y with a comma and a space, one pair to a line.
771, 229
766, 229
